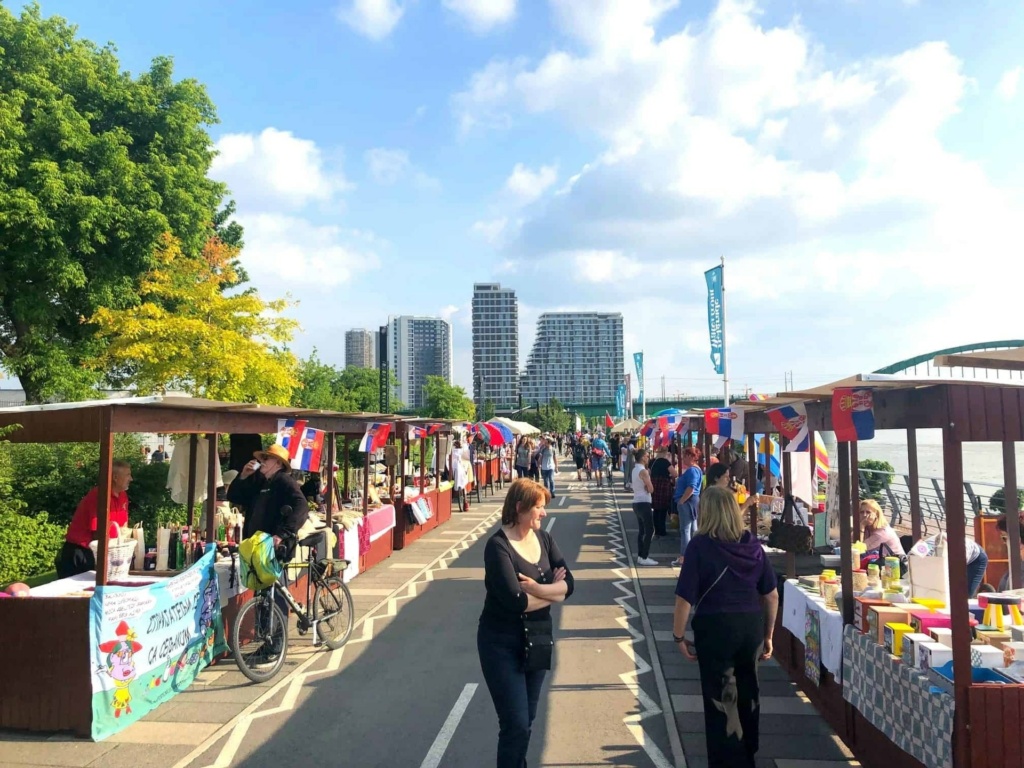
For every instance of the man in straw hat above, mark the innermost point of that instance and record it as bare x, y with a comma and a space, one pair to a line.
264, 494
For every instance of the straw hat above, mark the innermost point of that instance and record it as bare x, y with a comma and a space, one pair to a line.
275, 451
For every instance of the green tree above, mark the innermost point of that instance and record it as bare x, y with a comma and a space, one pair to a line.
486, 410
997, 502
874, 477
446, 401
551, 418
95, 165
348, 390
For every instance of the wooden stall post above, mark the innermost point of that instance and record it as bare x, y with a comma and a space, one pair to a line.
956, 547
1010, 497
212, 463
845, 537
752, 479
437, 460
915, 486
329, 490
103, 494
366, 482
423, 464
855, 491
193, 446
346, 495
787, 467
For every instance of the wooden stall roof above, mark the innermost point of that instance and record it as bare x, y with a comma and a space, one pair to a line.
999, 359
86, 421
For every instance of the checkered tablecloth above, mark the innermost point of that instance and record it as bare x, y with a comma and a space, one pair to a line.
897, 699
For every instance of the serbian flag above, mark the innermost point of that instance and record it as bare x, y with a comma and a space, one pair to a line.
427, 430
375, 438
310, 450
853, 414
608, 420
725, 422
289, 435
791, 421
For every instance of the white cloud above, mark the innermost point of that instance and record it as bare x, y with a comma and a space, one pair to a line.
374, 19
527, 185
446, 313
274, 169
290, 250
483, 15
387, 165
491, 230
1009, 83
826, 183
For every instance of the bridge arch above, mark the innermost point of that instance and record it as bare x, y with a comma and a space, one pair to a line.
912, 363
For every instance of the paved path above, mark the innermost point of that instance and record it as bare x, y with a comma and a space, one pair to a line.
407, 689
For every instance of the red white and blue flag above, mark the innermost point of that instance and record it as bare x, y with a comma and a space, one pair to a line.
375, 437
725, 422
853, 414
791, 421
289, 435
310, 451
420, 432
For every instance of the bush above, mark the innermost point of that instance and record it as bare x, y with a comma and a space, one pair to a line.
997, 503
28, 545
873, 481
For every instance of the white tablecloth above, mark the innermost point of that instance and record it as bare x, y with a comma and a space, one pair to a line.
82, 582
795, 602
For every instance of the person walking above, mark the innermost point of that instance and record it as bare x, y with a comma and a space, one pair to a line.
522, 457
524, 574
686, 497
662, 478
728, 588
547, 458
642, 490
579, 457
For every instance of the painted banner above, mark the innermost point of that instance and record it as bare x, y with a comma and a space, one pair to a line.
713, 277
638, 361
812, 644
149, 643
620, 402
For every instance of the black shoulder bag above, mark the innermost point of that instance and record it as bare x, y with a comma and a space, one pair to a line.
538, 643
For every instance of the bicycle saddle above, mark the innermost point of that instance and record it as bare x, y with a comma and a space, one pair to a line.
312, 540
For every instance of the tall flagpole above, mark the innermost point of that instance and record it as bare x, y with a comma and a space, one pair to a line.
643, 393
725, 350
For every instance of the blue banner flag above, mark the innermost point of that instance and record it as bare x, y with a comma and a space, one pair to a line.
715, 326
620, 401
638, 359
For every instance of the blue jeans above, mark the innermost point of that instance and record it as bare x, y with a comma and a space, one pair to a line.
687, 522
515, 693
549, 479
976, 573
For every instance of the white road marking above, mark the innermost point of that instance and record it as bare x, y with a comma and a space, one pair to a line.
550, 525
444, 737
561, 501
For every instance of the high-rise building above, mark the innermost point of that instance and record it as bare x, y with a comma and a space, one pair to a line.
495, 346
418, 347
361, 348
576, 357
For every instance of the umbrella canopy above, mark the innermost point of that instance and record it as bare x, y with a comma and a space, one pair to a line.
517, 427
506, 431
490, 433
626, 425
668, 412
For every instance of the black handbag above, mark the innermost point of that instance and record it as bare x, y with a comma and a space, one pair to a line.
538, 644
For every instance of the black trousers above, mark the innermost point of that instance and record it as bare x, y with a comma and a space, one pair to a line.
515, 693
645, 518
728, 645
660, 519
73, 560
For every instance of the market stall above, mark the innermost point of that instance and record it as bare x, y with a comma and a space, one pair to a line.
921, 681
157, 629
426, 501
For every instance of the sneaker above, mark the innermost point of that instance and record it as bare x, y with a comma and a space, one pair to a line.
647, 561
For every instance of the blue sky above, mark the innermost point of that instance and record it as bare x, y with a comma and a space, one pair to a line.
857, 162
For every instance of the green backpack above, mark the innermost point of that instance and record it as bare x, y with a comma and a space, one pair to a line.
259, 565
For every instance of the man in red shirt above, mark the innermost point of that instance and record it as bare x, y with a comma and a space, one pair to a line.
75, 556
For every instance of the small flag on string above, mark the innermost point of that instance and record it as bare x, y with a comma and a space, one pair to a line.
289, 435
310, 450
727, 422
853, 414
375, 437
791, 421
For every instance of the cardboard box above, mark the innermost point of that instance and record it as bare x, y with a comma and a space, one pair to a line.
935, 655
942, 635
879, 616
1017, 632
925, 624
894, 632
861, 607
912, 648
986, 657
995, 639
929, 603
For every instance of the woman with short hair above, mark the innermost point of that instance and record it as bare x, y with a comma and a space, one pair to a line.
524, 574
686, 498
728, 588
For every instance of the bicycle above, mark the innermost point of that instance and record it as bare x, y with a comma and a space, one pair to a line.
259, 637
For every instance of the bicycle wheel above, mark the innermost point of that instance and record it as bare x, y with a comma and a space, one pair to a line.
259, 638
333, 611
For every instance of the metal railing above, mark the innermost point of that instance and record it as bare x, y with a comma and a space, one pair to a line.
892, 490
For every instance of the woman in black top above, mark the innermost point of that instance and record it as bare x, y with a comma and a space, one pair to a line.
524, 573
663, 479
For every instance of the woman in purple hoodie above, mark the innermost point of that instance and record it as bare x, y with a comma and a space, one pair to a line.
728, 587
